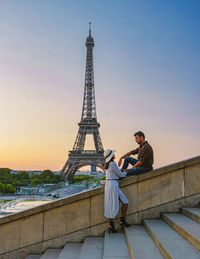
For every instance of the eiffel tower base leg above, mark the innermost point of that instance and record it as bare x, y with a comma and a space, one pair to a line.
82, 159
70, 179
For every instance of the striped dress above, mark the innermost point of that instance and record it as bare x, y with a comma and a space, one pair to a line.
112, 193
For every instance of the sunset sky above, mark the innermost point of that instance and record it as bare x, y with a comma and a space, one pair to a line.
146, 67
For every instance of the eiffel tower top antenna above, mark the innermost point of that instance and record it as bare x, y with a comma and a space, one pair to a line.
90, 29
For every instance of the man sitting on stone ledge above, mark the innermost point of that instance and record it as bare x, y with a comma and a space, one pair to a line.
145, 157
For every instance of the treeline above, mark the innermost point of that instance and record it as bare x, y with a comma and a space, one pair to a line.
7, 188
81, 178
88, 178
10, 181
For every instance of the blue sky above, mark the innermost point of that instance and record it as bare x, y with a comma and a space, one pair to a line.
146, 61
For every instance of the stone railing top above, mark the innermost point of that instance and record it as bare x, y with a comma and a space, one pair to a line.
98, 190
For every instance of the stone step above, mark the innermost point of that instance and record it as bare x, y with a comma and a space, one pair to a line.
171, 244
70, 251
115, 246
33, 257
140, 244
51, 253
185, 226
193, 213
92, 248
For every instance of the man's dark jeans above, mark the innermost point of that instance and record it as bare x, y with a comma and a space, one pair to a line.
133, 171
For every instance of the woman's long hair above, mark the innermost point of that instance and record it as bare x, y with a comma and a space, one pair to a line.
106, 165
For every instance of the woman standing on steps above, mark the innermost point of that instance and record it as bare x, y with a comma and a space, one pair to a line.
113, 194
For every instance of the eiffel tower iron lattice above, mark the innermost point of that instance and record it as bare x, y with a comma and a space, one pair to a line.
78, 157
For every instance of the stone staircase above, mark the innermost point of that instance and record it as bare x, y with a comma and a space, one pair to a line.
173, 236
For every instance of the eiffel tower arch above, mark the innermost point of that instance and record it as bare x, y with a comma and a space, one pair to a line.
78, 157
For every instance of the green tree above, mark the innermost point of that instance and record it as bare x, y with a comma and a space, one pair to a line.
81, 177
9, 188
33, 175
5, 175
2, 188
35, 181
5, 170
22, 178
57, 178
47, 176
46, 173
53, 180
48, 179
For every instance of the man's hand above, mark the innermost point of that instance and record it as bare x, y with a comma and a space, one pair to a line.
122, 157
125, 170
119, 162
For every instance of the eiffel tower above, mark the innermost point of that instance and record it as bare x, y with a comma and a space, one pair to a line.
78, 157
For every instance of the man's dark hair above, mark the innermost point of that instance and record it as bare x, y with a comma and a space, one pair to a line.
140, 134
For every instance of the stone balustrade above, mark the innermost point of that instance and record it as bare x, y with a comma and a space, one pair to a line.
73, 218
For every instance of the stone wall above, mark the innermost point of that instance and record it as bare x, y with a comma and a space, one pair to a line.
73, 218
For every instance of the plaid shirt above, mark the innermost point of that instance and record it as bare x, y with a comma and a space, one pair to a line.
145, 155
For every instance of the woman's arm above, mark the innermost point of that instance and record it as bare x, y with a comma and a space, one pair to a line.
118, 171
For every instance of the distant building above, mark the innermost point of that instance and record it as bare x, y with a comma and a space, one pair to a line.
32, 171
93, 168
